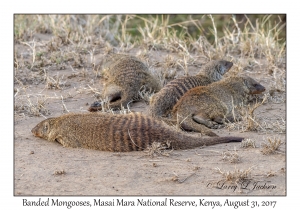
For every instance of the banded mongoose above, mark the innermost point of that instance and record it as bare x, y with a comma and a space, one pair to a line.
118, 133
161, 103
125, 76
203, 107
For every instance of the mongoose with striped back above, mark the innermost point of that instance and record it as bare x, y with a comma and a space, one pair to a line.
125, 76
161, 103
204, 107
118, 133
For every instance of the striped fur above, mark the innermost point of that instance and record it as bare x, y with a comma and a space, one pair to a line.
206, 107
117, 133
125, 76
162, 102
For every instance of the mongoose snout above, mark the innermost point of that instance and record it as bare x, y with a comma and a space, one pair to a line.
41, 130
258, 88
225, 66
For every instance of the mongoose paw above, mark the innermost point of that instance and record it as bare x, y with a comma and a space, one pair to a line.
212, 124
220, 126
215, 126
96, 106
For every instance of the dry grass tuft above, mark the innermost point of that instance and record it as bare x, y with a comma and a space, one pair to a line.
271, 146
250, 118
232, 157
275, 97
157, 149
248, 143
25, 104
247, 120
236, 176
144, 94
55, 82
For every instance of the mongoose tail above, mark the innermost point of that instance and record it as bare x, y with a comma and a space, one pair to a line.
190, 125
193, 143
118, 133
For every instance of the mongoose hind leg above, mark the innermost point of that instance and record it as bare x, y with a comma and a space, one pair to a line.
228, 118
190, 125
222, 120
203, 119
215, 123
96, 106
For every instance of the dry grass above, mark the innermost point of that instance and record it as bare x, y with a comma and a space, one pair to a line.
271, 146
55, 82
248, 143
236, 176
26, 104
241, 176
31, 107
77, 39
232, 157
247, 120
144, 94
158, 149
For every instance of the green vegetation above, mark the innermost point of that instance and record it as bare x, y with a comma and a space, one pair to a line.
189, 26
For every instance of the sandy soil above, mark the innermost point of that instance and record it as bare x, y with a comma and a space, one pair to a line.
45, 168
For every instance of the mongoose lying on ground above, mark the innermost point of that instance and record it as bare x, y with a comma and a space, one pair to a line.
205, 106
117, 133
161, 103
126, 75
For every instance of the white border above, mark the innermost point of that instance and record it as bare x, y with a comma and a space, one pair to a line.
8, 201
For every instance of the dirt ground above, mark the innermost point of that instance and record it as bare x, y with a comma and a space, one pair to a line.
47, 168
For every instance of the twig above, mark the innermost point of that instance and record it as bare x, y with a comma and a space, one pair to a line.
64, 106
133, 141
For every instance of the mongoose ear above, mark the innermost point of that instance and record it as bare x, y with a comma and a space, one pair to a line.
221, 69
50, 121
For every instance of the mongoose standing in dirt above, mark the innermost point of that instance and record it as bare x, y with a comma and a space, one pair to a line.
161, 103
205, 106
118, 133
125, 76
